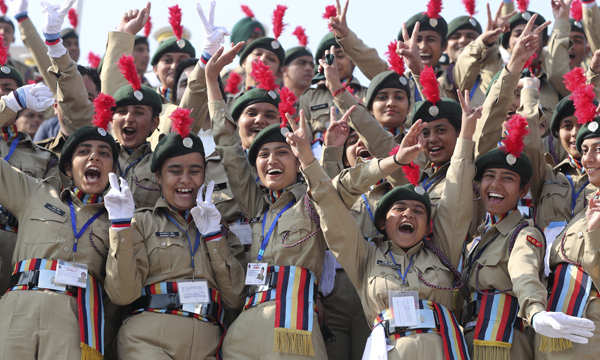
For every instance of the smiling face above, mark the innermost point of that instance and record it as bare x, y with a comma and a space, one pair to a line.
458, 41
439, 139
277, 166
406, 223
430, 47
253, 119
166, 66
354, 148
590, 158
132, 124
390, 107
180, 177
91, 162
501, 190
567, 134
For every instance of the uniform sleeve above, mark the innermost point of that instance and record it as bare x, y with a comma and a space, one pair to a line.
229, 273
126, 264
195, 98
38, 50
454, 211
591, 24
525, 266
379, 141
246, 191
331, 160
118, 44
7, 116
495, 107
71, 95
366, 58
18, 187
352, 182
593, 79
557, 59
341, 232
471, 61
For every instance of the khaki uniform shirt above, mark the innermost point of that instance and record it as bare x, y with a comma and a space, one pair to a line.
153, 250
520, 271
135, 168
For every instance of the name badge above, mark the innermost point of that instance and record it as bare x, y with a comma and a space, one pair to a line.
168, 234
46, 280
319, 107
242, 231
74, 274
193, 292
256, 274
404, 308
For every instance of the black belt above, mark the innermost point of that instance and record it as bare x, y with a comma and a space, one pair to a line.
171, 302
31, 280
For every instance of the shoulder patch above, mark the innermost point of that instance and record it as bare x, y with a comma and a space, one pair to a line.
535, 242
54, 209
319, 107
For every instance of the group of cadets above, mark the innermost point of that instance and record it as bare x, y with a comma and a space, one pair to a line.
260, 203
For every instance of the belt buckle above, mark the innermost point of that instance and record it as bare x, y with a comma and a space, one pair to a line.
29, 278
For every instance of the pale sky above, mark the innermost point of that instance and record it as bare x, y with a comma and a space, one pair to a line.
377, 22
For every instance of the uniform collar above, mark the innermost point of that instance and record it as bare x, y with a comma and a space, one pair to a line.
162, 206
293, 192
81, 199
408, 252
508, 223
432, 170
137, 152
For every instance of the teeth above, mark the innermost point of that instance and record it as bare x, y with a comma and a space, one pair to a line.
435, 148
274, 172
184, 191
495, 195
407, 227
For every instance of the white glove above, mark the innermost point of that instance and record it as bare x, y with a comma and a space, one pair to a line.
36, 97
20, 6
214, 35
118, 201
561, 325
55, 16
205, 214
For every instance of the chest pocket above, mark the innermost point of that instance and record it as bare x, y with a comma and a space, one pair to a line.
319, 116
146, 189
166, 251
295, 228
435, 274
382, 282
574, 247
48, 225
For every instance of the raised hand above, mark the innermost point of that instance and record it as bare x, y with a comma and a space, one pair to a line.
331, 72
528, 44
20, 6
560, 9
220, 59
55, 16
118, 201
592, 213
496, 26
36, 97
409, 49
410, 147
338, 130
338, 23
134, 20
206, 216
595, 63
469, 115
214, 36
299, 140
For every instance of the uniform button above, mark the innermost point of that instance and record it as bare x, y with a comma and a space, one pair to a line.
164, 243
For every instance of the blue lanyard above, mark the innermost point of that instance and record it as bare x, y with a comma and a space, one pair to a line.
426, 185
76, 233
575, 193
265, 241
364, 197
410, 263
475, 87
13, 146
417, 94
131, 164
187, 235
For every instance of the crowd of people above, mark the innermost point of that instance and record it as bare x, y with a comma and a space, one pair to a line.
262, 203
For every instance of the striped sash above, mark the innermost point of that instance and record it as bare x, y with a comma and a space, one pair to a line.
454, 344
496, 320
569, 293
294, 294
90, 308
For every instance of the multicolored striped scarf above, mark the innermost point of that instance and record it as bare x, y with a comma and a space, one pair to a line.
569, 293
90, 308
274, 195
454, 344
576, 164
87, 198
496, 320
492, 220
294, 295
9, 133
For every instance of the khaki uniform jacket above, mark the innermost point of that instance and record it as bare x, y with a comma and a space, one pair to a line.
153, 250
38, 50
135, 168
316, 102
520, 270
360, 260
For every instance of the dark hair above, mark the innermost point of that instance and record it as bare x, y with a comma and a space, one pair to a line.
92, 73
183, 64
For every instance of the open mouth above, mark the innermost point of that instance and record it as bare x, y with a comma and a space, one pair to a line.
425, 57
183, 191
495, 197
129, 131
364, 154
434, 150
274, 172
92, 174
406, 228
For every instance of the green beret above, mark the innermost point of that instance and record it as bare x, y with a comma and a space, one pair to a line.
267, 43
5, 19
171, 45
576, 26
464, 23
438, 25
498, 159
272, 133
325, 44
10, 72
245, 29
384, 80
294, 53
563, 109
523, 18
404, 192
82, 134
67, 33
253, 96
446, 109
173, 145
588, 131
126, 96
